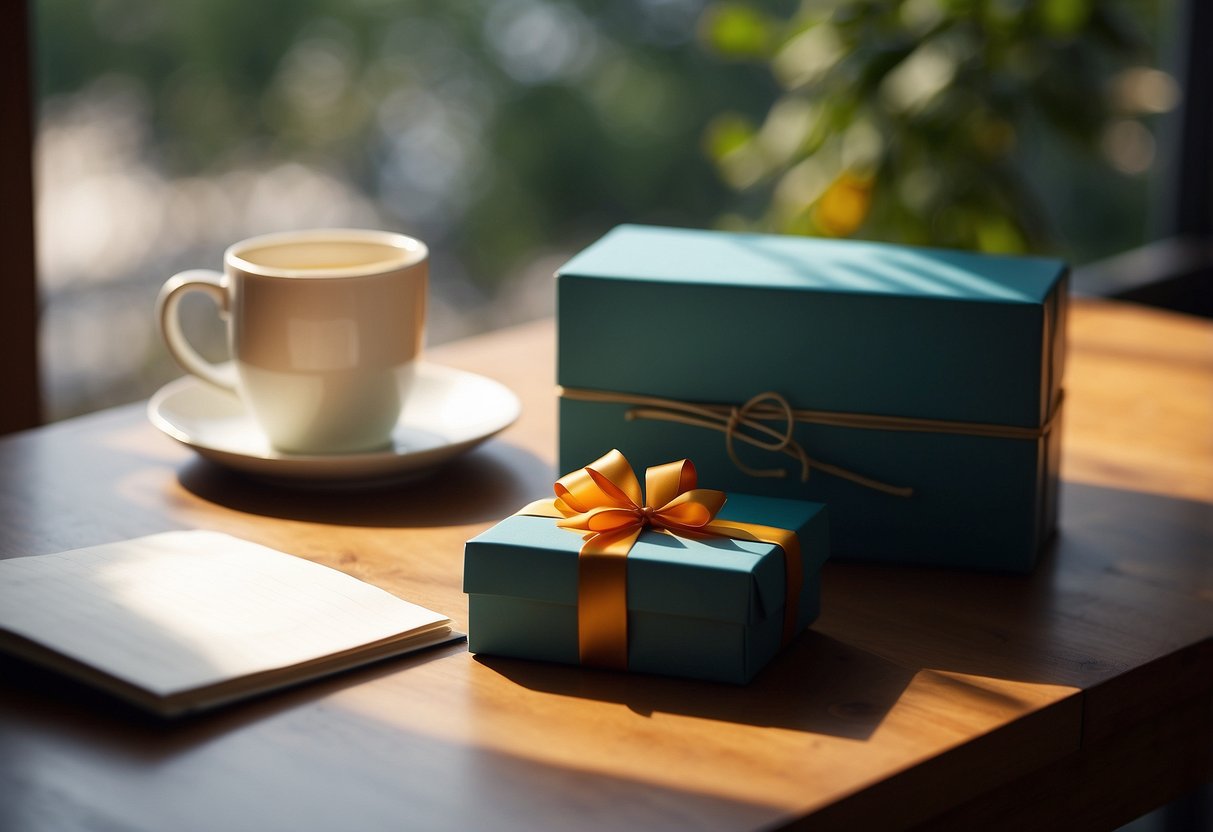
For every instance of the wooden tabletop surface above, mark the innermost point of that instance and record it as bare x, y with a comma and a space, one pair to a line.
1077, 697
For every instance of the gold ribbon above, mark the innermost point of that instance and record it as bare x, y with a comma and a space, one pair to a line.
604, 501
773, 407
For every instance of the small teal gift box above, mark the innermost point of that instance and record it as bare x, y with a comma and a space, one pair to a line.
677, 581
917, 392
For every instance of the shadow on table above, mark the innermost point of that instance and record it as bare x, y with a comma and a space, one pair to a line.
1127, 578
487, 484
818, 684
300, 760
51, 698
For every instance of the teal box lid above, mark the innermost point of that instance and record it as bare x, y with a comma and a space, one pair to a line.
855, 327
717, 579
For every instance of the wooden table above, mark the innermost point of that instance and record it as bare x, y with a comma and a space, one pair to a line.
1078, 697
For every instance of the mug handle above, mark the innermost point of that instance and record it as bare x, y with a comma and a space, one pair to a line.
175, 288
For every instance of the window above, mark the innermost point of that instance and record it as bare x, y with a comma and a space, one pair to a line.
509, 134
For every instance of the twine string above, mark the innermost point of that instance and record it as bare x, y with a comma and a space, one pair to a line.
747, 423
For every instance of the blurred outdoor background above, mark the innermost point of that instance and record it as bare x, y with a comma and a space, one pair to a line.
510, 133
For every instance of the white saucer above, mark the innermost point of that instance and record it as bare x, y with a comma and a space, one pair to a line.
447, 413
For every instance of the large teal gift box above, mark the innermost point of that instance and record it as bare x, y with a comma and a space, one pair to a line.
705, 608
919, 390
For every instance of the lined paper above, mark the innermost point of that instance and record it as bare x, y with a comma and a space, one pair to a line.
183, 610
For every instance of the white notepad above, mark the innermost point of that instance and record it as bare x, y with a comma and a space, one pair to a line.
183, 621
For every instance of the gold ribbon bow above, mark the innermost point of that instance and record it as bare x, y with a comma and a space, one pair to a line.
603, 500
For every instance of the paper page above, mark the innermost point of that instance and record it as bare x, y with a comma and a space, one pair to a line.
179, 610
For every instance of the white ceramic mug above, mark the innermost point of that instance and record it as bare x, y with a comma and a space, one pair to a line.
324, 327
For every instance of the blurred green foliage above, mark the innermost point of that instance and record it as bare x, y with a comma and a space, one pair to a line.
500, 129
509, 133
997, 125
496, 130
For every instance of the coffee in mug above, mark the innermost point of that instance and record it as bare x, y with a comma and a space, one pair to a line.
324, 327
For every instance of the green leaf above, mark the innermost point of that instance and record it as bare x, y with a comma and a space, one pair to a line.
727, 133
1063, 18
735, 30
996, 234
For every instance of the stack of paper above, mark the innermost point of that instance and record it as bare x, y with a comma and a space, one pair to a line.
183, 621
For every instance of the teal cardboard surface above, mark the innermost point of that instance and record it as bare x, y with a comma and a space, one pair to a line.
706, 609
710, 317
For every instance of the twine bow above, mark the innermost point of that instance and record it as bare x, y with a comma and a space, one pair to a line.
746, 423
740, 417
603, 500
